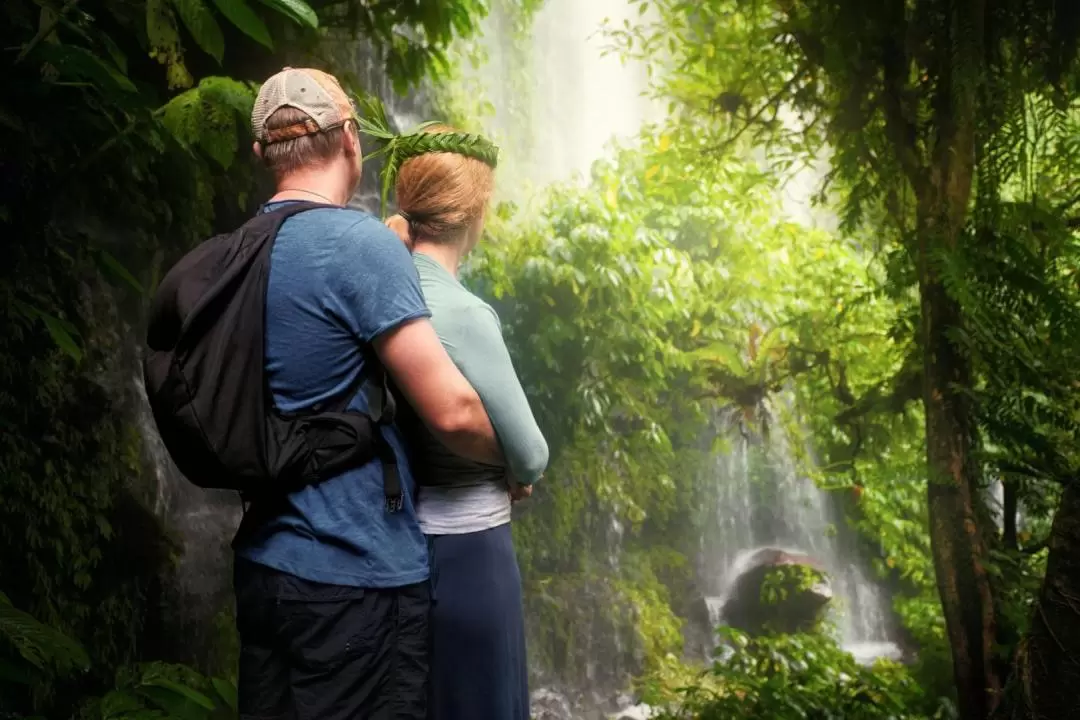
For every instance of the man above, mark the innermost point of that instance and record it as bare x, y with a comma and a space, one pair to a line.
332, 590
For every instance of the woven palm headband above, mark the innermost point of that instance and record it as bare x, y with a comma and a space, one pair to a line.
399, 148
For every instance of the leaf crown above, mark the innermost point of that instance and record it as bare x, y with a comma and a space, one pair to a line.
399, 148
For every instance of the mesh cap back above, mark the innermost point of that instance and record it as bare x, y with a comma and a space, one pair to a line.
313, 92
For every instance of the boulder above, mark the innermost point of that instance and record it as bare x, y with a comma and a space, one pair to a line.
546, 704
777, 591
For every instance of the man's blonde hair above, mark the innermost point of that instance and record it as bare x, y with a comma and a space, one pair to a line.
315, 149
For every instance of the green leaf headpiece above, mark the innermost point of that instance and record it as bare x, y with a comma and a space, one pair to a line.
399, 148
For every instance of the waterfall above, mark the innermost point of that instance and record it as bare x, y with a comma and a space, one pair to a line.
761, 500
580, 97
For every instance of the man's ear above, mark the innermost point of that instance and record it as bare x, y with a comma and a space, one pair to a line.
352, 140
256, 148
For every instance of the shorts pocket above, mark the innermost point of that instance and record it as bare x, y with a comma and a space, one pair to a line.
324, 636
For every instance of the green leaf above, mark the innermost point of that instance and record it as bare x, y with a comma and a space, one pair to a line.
121, 704
74, 61
115, 53
39, 644
180, 117
164, 41
183, 691
228, 92
227, 691
243, 17
113, 266
297, 10
177, 700
200, 22
217, 136
61, 335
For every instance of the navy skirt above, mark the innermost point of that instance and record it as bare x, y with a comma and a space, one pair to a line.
478, 664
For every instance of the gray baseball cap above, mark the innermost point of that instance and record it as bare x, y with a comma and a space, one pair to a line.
313, 92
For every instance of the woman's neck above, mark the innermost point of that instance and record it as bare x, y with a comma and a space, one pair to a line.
449, 255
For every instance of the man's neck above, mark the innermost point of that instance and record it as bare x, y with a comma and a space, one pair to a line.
317, 186
449, 255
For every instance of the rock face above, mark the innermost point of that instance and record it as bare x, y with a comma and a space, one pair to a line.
778, 591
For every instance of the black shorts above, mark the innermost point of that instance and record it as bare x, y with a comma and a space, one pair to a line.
311, 651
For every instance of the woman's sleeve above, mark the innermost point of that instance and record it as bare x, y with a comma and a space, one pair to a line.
478, 349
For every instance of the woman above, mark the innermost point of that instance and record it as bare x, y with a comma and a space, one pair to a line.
478, 668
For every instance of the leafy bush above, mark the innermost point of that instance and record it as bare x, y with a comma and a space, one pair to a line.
791, 677
164, 691
31, 651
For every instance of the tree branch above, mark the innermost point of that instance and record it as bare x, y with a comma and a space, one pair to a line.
45, 29
773, 101
890, 396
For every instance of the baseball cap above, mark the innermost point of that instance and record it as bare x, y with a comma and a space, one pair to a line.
315, 93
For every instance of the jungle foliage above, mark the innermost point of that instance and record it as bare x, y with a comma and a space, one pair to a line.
924, 346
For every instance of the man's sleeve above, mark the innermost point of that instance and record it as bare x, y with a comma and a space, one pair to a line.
376, 287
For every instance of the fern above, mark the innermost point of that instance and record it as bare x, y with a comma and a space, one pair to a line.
1022, 331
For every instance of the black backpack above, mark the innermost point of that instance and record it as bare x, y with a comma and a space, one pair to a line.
205, 379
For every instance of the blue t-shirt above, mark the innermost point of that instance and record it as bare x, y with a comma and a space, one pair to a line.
338, 279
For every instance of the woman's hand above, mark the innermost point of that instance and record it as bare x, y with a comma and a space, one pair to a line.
519, 492
400, 226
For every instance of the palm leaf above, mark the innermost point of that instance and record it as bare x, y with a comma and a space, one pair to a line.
399, 148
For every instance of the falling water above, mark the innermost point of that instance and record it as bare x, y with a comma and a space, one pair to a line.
583, 98
762, 500
580, 96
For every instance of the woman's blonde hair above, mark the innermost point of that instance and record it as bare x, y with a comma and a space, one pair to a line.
441, 194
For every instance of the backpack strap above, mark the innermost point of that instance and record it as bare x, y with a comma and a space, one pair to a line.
382, 408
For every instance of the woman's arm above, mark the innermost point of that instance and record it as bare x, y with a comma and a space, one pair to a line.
475, 343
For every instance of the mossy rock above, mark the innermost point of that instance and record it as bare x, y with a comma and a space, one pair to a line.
780, 592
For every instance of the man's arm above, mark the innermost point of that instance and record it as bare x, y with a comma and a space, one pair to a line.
437, 390
377, 294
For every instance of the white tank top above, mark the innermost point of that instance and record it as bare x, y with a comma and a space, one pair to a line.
464, 509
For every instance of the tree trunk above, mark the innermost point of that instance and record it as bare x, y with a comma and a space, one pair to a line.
957, 541
1046, 678
958, 545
